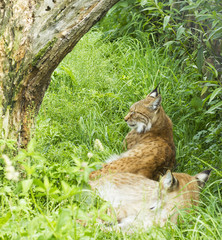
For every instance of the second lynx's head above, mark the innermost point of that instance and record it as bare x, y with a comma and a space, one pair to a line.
144, 114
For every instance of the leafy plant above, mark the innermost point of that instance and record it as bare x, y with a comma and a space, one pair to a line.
81, 124
191, 30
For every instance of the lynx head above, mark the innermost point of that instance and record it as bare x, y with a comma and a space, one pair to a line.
141, 202
179, 191
144, 113
174, 181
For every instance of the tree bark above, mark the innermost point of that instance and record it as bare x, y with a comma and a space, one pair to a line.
35, 35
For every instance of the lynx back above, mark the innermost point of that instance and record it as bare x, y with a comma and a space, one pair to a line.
150, 146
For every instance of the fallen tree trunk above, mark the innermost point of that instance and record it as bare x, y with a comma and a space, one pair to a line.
35, 36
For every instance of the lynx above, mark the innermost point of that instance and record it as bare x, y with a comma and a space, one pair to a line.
151, 149
139, 202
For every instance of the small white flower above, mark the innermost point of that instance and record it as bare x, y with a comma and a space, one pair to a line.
12, 176
84, 164
89, 155
22, 202
9, 168
98, 145
9, 175
10, 172
16, 176
7, 160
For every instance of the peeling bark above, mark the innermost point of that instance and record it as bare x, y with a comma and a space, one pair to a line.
35, 36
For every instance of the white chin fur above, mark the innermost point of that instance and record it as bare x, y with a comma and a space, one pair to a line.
141, 127
149, 125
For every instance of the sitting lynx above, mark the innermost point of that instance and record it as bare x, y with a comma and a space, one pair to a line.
150, 145
139, 202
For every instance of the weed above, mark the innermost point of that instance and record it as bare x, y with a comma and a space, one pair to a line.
81, 123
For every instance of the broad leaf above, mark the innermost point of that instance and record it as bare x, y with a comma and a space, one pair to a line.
26, 185
166, 21
214, 93
180, 32
215, 107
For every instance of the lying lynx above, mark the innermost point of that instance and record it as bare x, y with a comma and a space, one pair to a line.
140, 202
151, 150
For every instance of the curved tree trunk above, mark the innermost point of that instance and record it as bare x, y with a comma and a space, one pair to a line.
35, 35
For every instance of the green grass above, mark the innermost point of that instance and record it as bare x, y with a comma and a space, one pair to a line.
90, 93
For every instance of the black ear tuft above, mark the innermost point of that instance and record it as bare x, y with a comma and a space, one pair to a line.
207, 171
155, 92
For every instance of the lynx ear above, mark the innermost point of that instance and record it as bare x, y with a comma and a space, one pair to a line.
156, 103
203, 177
169, 181
154, 93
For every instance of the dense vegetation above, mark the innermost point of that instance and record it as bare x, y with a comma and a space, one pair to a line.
117, 63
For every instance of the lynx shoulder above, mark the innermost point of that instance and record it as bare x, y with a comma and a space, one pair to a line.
139, 202
150, 146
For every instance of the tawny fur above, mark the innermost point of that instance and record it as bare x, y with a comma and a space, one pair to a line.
150, 146
139, 202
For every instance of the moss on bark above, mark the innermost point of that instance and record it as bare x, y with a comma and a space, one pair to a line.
42, 52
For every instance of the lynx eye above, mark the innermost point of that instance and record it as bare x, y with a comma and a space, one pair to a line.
155, 205
152, 208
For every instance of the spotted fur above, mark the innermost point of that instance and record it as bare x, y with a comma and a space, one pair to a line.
139, 202
150, 146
